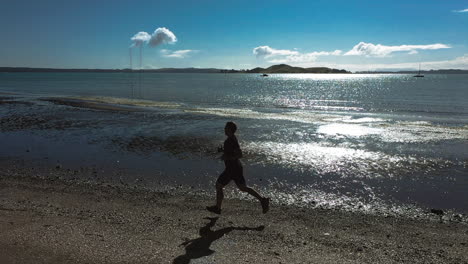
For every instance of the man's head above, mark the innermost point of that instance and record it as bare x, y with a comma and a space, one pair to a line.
230, 128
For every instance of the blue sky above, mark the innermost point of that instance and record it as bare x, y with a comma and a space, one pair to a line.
354, 35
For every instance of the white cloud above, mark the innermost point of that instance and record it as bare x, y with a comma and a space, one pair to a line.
180, 54
456, 63
372, 50
290, 56
306, 57
267, 52
140, 38
296, 58
461, 11
162, 36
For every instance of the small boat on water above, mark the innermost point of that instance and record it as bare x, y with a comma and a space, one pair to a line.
264, 75
419, 72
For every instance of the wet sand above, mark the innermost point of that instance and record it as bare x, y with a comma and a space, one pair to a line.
5, 100
91, 105
58, 221
45, 218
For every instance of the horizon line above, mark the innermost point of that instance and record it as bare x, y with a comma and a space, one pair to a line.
2, 68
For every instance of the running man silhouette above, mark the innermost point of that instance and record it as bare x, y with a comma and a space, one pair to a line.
233, 171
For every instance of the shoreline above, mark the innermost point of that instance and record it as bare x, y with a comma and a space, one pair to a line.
89, 104
59, 221
78, 186
285, 70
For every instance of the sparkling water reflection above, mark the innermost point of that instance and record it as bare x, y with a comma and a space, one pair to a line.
340, 139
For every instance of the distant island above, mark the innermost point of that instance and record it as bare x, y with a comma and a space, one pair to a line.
284, 68
441, 71
281, 68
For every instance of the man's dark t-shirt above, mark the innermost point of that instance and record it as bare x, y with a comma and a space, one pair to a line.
231, 148
234, 170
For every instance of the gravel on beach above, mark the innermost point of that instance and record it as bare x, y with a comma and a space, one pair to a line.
58, 221
49, 217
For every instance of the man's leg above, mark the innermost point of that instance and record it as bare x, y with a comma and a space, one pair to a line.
219, 194
265, 202
250, 191
222, 181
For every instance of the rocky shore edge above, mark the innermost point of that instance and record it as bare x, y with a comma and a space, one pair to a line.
63, 221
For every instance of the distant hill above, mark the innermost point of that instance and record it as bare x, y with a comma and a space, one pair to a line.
27, 69
281, 68
284, 68
184, 70
162, 70
442, 71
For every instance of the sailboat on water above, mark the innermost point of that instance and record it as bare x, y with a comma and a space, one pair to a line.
419, 72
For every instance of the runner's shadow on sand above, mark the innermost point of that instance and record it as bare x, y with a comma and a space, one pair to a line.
200, 247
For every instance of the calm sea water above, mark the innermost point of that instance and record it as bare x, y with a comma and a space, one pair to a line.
340, 140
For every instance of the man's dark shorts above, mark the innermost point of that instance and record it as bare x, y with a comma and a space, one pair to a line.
235, 174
